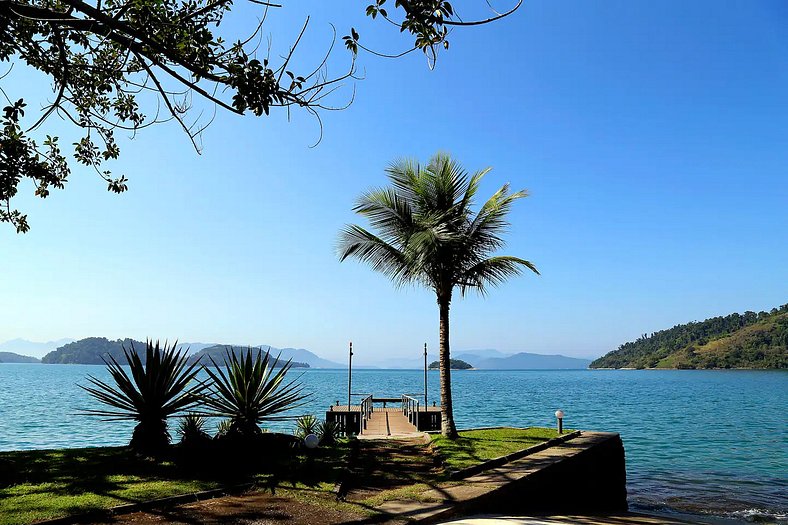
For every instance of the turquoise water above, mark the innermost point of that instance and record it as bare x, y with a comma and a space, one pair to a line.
708, 442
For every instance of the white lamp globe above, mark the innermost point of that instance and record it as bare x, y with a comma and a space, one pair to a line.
559, 414
311, 441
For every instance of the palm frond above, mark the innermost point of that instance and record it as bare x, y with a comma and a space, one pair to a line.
492, 272
383, 257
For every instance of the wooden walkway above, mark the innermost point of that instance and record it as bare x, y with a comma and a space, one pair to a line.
387, 422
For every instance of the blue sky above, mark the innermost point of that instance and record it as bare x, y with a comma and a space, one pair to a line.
651, 136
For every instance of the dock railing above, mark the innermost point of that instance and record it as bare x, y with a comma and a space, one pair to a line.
366, 411
410, 409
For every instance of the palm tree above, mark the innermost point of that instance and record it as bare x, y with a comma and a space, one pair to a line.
151, 392
428, 234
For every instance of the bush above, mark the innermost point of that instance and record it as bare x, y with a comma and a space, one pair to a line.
328, 432
306, 425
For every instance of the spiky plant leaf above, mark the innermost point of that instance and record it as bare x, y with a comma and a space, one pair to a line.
149, 393
250, 390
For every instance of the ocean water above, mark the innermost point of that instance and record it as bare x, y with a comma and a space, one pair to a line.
702, 442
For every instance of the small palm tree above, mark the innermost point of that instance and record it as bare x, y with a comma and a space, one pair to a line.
428, 234
151, 392
249, 392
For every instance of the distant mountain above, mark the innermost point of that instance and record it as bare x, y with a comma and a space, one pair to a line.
10, 357
193, 348
218, 353
31, 348
492, 359
304, 356
528, 361
749, 340
478, 355
297, 355
91, 350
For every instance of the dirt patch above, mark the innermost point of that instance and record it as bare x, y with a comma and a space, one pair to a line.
384, 465
254, 508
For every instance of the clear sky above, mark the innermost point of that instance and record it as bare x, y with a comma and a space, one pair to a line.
652, 136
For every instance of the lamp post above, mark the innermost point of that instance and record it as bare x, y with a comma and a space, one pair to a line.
349, 377
559, 415
425, 376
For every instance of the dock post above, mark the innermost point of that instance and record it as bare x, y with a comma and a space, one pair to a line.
349, 376
425, 376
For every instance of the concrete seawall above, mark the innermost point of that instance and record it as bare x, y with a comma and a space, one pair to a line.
585, 475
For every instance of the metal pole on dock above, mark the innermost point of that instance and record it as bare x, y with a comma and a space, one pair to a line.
349, 376
425, 376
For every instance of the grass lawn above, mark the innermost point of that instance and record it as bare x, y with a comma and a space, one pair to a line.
44, 484
475, 446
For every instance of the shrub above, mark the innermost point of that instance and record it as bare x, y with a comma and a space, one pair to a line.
161, 387
305, 425
249, 392
191, 430
328, 432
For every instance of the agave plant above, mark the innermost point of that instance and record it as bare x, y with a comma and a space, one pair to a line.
151, 392
223, 428
328, 432
249, 391
191, 429
305, 425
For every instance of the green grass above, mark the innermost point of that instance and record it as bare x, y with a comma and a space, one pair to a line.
476, 446
46, 484
54, 483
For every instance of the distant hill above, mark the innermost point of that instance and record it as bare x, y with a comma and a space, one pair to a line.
32, 348
193, 348
749, 340
219, 355
492, 359
454, 364
89, 351
528, 361
10, 357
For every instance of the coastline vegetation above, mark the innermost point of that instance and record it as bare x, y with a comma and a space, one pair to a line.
750, 340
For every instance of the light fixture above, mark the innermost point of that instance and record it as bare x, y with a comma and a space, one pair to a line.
311, 441
559, 415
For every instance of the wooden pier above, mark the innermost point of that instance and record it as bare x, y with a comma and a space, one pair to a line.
367, 420
412, 416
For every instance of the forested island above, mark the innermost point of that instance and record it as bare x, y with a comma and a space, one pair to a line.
748, 340
89, 351
94, 350
454, 364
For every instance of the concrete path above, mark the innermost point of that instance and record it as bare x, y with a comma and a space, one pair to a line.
388, 422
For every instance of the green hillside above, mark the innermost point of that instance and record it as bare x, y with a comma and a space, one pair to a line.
89, 351
454, 364
749, 340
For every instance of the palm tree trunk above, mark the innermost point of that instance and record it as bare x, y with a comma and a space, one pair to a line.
447, 413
